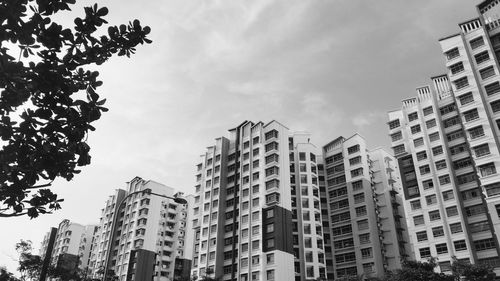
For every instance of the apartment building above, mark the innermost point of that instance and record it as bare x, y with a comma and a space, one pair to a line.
45, 252
144, 233
447, 142
367, 228
257, 207
307, 218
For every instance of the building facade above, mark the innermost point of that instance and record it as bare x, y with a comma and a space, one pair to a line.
367, 229
447, 142
46, 248
143, 236
252, 206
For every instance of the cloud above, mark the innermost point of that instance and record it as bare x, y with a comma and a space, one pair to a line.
366, 119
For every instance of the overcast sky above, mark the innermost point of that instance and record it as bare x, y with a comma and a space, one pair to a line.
328, 67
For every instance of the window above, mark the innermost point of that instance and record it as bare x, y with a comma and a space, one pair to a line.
418, 142
479, 227
422, 236
492, 88
424, 169
461, 83
364, 238
399, 149
415, 129
493, 189
357, 159
451, 211
437, 151
271, 146
471, 194
476, 42
454, 150
445, 179
487, 169
482, 57
353, 149
428, 110
437, 231
434, 215
434, 136
476, 132
361, 211
463, 179
271, 134
456, 68
425, 252
451, 122
448, 195
395, 137
413, 191
466, 98
460, 245
255, 260
474, 210
418, 220
495, 106
359, 198
471, 115
357, 185
357, 172
394, 124
422, 155
451, 54
441, 164
487, 72
255, 276
447, 109
462, 163
416, 205
428, 184
485, 244
456, 228
431, 199
366, 253
270, 274
441, 248
430, 124
412, 116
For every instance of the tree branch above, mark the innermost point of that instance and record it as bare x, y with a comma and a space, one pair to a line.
40, 186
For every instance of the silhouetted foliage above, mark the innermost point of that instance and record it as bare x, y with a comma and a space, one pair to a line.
418, 271
30, 265
43, 123
5, 275
472, 272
